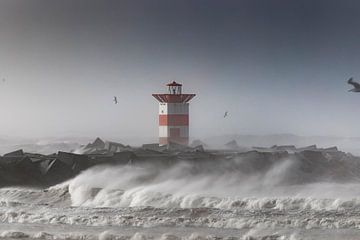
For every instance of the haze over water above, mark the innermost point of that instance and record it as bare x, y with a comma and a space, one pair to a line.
276, 66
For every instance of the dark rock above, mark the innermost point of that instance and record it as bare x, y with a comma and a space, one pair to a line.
19, 170
98, 159
154, 147
121, 158
101, 147
124, 157
57, 171
311, 147
313, 155
330, 149
97, 144
297, 166
15, 153
44, 165
198, 148
261, 149
173, 146
197, 142
76, 162
232, 145
255, 161
288, 148
115, 147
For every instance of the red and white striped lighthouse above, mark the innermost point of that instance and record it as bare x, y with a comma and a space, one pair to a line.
174, 115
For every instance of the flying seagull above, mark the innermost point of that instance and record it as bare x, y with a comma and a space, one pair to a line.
115, 100
355, 84
225, 114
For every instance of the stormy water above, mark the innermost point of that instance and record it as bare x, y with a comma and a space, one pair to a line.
187, 200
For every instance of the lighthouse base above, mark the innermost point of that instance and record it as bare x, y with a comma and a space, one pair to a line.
179, 140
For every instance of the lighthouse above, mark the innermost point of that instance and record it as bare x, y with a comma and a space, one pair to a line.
173, 115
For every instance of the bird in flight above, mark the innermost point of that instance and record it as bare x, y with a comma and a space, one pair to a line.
225, 114
355, 84
115, 100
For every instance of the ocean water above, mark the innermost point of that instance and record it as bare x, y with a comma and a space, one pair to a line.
186, 200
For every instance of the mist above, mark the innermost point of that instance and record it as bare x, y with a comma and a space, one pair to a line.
277, 68
226, 185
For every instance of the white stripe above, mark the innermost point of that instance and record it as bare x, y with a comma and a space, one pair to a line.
173, 108
163, 131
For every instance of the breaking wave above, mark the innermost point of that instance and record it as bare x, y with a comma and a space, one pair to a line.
212, 185
209, 194
108, 235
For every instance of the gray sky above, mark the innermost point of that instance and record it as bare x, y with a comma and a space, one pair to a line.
276, 65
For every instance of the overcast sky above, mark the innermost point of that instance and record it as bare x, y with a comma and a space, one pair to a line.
277, 66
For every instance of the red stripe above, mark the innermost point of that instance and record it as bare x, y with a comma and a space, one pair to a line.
174, 120
180, 140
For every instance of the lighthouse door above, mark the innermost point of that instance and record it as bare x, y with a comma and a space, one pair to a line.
174, 132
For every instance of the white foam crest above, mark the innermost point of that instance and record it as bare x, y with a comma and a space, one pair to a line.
13, 234
195, 217
182, 186
24, 196
143, 196
108, 235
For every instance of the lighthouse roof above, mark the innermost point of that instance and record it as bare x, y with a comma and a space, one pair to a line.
173, 98
173, 84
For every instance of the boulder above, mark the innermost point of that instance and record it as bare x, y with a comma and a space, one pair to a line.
153, 147
56, 172
124, 157
197, 142
288, 148
198, 148
16, 153
173, 146
97, 144
311, 147
233, 145
114, 147
19, 170
76, 162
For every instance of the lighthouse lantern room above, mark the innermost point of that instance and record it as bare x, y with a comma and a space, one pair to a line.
173, 115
